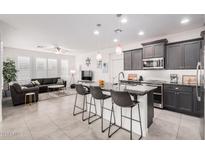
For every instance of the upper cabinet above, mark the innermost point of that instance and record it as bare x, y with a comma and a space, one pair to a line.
137, 59
155, 49
174, 57
148, 51
191, 54
184, 55
127, 60
133, 59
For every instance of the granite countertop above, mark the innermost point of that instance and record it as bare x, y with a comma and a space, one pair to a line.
134, 89
162, 82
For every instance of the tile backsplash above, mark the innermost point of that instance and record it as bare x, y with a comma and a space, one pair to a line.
160, 74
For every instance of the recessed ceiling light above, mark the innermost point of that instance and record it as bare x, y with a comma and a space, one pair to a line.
184, 21
141, 33
115, 40
123, 20
96, 32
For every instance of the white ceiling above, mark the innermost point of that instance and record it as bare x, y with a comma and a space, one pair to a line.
76, 31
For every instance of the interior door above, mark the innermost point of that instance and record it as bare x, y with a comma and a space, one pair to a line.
117, 67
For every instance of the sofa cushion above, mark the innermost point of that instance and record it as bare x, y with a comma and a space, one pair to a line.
60, 81
28, 85
48, 81
55, 80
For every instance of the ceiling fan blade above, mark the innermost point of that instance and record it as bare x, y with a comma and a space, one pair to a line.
66, 49
45, 47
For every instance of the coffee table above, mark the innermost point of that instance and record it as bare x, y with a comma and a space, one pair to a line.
56, 87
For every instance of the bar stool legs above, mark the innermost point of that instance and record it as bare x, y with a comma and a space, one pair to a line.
83, 110
140, 121
95, 114
75, 106
102, 117
131, 121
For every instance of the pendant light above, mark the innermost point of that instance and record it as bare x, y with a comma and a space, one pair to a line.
98, 56
118, 48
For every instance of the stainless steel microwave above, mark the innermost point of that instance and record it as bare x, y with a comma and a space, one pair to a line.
153, 63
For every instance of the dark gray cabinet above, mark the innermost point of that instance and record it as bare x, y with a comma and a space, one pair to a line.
183, 55
148, 52
155, 49
181, 98
170, 99
175, 57
127, 60
133, 59
159, 50
185, 101
198, 105
136, 59
192, 54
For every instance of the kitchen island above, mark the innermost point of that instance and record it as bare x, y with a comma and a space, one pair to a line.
144, 94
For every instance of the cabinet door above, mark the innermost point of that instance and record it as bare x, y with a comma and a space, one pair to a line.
175, 57
197, 106
170, 99
159, 50
202, 53
192, 54
137, 59
184, 101
148, 51
127, 60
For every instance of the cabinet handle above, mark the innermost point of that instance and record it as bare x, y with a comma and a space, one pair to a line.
176, 88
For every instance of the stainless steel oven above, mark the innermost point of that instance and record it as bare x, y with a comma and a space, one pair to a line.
153, 63
158, 93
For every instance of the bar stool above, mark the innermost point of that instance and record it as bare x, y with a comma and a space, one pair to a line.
83, 91
123, 100
97, 94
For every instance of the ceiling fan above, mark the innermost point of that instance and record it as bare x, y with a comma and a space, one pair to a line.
58, 49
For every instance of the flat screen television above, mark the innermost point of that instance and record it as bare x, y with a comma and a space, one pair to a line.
87, 75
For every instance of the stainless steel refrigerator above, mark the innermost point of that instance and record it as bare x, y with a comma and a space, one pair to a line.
200, 87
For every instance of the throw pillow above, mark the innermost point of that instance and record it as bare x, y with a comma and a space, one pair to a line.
37, 83
33, 83
59, 81
23, 87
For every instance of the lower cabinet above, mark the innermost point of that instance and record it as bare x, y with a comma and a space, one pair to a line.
185, 101
181, 99
170, 99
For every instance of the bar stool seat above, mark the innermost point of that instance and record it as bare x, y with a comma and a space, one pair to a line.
105, 96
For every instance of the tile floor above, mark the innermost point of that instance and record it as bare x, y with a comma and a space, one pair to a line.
53, 119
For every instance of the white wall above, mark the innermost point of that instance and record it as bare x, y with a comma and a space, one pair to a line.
109, 55
14, 53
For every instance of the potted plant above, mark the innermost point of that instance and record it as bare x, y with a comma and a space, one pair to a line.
9, 73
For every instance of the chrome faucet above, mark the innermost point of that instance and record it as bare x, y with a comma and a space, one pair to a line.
123, 75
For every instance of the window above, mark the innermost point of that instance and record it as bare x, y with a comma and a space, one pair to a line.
64, 69
41, 67
52, 68
24, 70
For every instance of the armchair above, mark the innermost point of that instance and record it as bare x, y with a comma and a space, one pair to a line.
18, 94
